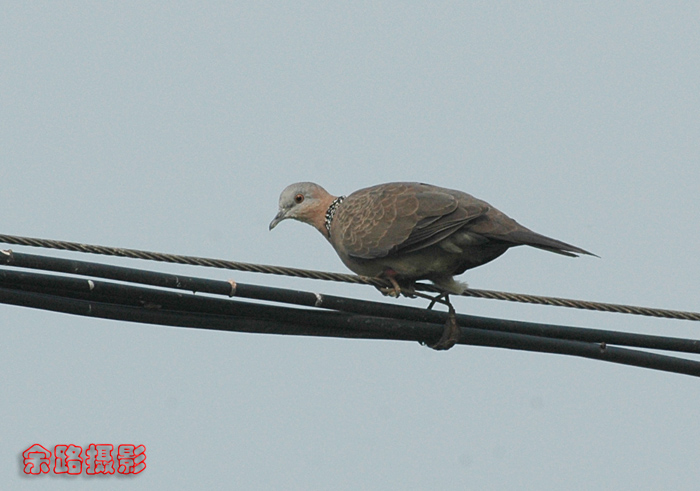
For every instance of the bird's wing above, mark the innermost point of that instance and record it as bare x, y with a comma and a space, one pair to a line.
400, 217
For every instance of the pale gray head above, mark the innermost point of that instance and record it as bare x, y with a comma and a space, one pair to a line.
306, 202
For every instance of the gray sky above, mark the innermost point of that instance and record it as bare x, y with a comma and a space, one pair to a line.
173, 127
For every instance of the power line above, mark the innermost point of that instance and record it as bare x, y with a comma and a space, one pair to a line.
323, 315
348, 278
317, 300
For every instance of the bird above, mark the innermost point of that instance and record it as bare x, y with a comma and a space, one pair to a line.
409, 231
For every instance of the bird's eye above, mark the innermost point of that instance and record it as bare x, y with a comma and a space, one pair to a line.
298, 198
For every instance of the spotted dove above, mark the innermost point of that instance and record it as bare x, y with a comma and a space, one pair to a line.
406, 231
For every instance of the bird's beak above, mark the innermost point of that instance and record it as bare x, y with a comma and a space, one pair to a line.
278, 218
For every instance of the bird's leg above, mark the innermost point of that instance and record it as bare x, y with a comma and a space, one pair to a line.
451, 334
396, 290
443, 298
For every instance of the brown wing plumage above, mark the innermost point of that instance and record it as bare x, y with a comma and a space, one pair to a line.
380, 220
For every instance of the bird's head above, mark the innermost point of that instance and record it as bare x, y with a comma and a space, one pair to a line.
306, 202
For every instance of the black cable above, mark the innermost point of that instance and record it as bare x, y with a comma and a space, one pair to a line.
188, 283
139, 304
247, 317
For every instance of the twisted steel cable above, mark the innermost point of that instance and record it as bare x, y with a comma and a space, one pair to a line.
341, 277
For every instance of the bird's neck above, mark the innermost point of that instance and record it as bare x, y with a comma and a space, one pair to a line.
317, 216
330, 213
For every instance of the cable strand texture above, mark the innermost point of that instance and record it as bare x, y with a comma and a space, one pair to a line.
341, 277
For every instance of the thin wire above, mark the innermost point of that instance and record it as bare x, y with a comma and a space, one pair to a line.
341, 277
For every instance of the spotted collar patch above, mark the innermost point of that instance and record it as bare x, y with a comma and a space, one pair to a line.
330, 212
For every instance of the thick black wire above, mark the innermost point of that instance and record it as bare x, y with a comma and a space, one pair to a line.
348, 278
186, 283
138, 304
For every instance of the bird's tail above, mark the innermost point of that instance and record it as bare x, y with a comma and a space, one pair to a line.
528, 237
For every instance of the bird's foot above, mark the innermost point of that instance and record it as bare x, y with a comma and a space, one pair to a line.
443, 298
450, 335
452, 332
396, 290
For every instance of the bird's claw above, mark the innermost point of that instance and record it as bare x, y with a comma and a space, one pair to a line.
452, 332
396, 290
441, 298
450, 335
390, 291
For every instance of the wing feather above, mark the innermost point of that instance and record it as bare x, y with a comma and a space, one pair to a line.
381, 220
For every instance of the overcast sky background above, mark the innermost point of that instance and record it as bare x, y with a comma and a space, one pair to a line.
173, 127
